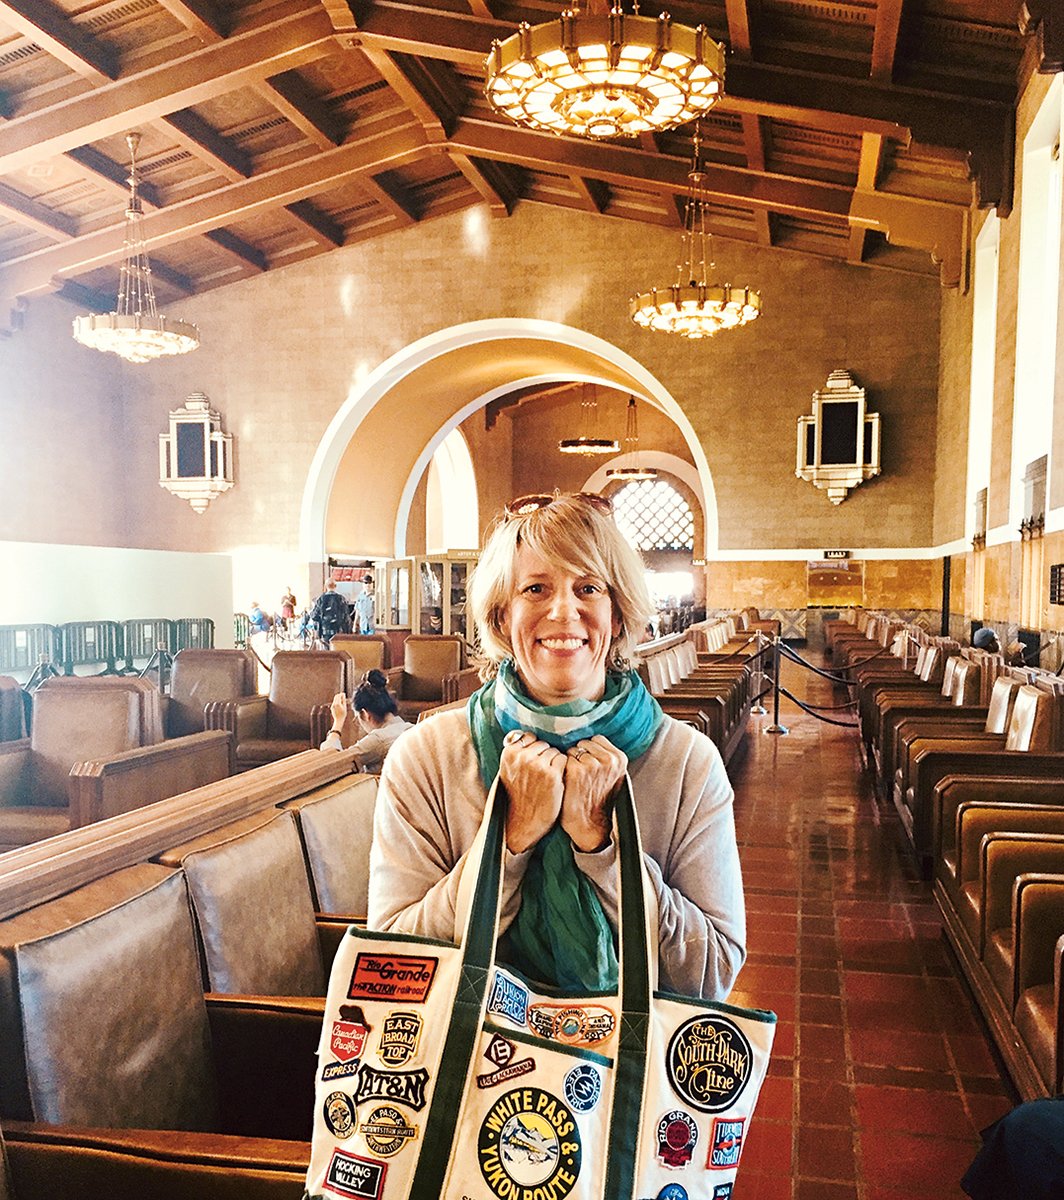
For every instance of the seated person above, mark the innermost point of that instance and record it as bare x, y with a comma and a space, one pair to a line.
378, 712
986, 639
260, 622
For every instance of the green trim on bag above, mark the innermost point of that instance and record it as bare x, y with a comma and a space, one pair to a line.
542, 1043
464, 1030
634, 1032
381, 935
765, 1015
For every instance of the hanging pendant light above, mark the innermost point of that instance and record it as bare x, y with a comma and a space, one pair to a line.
693, 307
588, 443
135, 331
636, 470
604, 73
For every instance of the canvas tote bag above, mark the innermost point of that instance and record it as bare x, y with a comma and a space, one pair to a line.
442, 1076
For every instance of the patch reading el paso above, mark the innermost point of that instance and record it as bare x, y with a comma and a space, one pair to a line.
402, 1087
709, 1062
399, 977
529, 1145
572, 1024
387, 1131
350, 1175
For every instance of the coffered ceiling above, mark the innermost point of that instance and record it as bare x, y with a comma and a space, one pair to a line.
273, 131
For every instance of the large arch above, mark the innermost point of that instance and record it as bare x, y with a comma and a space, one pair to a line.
427, 389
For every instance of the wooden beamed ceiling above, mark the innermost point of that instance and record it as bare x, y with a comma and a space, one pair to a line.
273, 130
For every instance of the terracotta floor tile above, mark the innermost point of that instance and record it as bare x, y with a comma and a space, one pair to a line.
822, 1010
825, 1152
910, 1110
768, 1148
921, 1166
825, 1103
818, 1189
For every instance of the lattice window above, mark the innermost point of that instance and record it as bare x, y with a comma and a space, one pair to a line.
654, 516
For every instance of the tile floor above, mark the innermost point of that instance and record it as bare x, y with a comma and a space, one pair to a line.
882, 1074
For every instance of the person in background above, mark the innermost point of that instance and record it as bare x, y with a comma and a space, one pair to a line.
260, 622
1022, 1156
379, 714
559, 598
365, 603
288, 605
986, 639
330, 614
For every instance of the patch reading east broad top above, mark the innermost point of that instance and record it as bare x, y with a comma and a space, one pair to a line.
709, 1062
529, 1144
401, 977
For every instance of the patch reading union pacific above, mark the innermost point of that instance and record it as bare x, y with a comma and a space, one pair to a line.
573, 1024
399, 1038
529, 1147
709, 1062
399, 977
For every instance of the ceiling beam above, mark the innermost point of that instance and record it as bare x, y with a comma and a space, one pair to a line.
391, 200
885, 39
867, 180
628, 167
31, 274
738, 16
208, 145
236, 247
200, 17
420, 85
494, 182
324, 230
295, 102
593, 194
1043, 20
60, 38
24, 211
940, 229
160, 91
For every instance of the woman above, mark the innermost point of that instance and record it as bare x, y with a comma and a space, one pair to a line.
378, 712
559, 598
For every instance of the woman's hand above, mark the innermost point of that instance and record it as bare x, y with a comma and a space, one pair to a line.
338, 708
593, 773
532, 773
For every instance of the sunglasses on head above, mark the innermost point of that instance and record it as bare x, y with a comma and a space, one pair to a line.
524, 505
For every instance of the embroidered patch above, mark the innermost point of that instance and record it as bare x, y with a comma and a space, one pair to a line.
500, 1050
400, 977
403, 1087
399, 1038
508, 999
583, 1086
387, 1131
572, 1024
672, 1191
529, 1140
709, 1062
722, 1191
339, 1070
339, 1113
514, 1071
353, 1176
348, 1039
677, 1137
725, 1143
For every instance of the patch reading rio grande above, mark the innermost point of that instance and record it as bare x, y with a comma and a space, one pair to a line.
709, 1062
403, 977
529, 1144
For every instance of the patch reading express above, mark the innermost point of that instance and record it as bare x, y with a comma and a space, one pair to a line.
392, 977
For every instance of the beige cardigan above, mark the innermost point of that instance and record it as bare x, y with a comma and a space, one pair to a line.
430, 805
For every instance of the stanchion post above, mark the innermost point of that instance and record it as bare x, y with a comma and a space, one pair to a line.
776, 727
758, 683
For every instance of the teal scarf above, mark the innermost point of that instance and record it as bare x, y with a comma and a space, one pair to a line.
561, 936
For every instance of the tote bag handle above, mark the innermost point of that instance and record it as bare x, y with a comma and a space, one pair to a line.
478, 958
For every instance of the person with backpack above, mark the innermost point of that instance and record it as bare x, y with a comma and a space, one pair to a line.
330, 614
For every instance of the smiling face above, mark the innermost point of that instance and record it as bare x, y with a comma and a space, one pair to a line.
560, 626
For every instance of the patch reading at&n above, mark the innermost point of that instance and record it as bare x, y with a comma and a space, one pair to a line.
709, 1062
529, 1145
353, 1176
400, 977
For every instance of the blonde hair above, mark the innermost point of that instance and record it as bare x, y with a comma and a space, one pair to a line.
572, 533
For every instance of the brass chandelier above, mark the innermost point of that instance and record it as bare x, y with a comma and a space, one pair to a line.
605, 73
135, 330
693, 307
635, 470
588, 443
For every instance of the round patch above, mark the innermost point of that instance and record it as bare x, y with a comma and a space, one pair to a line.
583, 1086
386, 1130
529, 1139
677, 1137
709, 1062
339, 1113
672, 1191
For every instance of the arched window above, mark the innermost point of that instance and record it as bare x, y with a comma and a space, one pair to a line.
653, 515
